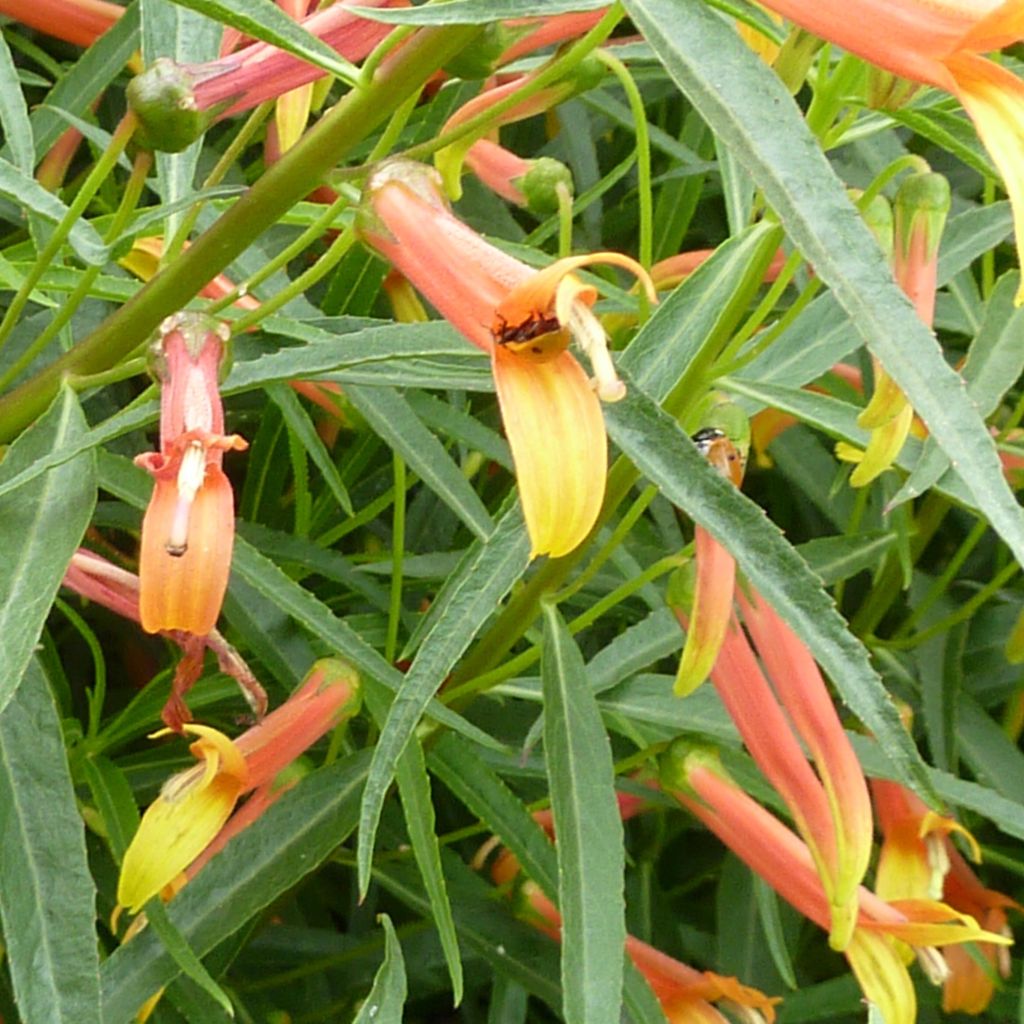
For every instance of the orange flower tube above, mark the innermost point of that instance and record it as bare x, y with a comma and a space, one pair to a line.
188, 530
524, 320
939, 43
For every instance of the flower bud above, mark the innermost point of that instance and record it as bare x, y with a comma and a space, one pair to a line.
540, 185
163, 100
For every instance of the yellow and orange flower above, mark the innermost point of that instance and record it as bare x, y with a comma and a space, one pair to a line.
939, 43
771, 850
524, 319
188, 530
189, 820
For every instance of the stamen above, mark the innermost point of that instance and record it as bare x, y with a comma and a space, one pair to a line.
590, 337
938, 864
933, 963
190, 478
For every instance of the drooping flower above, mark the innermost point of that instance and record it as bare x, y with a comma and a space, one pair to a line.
771, 850
970, 986
81, 22
176, 103
711, 603
524, 319
920, 208
188, 529
687, 996
939, 43
532, 184
96, 579
195, 806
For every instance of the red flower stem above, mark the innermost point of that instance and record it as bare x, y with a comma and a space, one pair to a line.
280, 188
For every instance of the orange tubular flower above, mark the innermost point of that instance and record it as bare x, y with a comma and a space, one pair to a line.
772, 851
188, 530
939, 42
81, 22
193, 810
524, 319
686, 994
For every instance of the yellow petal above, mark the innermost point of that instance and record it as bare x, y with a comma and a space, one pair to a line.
887, 401
882, 449
882, 976
191, 809
712, 607
291, 115
554, 425
995, 100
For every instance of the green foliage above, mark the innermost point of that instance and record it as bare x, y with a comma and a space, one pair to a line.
403, 865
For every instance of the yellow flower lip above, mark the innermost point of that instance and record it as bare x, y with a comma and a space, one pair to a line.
191, 809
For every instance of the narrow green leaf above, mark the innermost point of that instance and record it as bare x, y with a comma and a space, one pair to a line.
641, 1003
83, 81
183, 955
771, 922
477, 12
114, 801
694, 312
292, 838
47, 898
392, 419
589, 834
298, 421
994, 758
420, 822
750, 110
470, 600
263, 19
17, 130
476, 784
511, 948
994, 363
387, 996
41, 524
838, 558
23, 189
667, 457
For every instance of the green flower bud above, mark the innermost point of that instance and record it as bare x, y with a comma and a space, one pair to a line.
163, 101
539, 184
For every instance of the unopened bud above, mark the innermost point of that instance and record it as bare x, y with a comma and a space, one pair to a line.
540, 184
163, 100
921, 207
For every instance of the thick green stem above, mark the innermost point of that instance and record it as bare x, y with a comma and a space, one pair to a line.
283, 185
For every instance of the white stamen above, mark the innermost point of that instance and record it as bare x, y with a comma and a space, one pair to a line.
933, 963
938, 864
590, 337
191, 474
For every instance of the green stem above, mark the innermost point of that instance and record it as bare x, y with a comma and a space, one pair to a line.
299, 171
305, 280
227, 160
962, 614
105, 164
564, 220
136, 183
887, 587
288, 253
941, 585
643, 155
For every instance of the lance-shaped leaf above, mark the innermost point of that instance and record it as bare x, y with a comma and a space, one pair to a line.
41, 524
